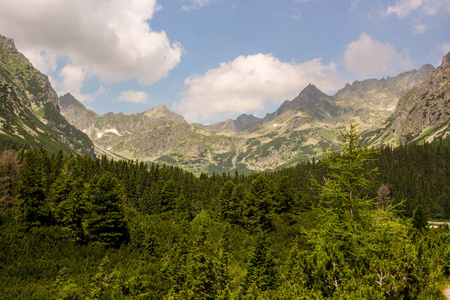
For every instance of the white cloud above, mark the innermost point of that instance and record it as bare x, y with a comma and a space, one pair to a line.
41, 60
367, 57
403, 8
73, 77
194, 4
133, 96
247, 83
113, 38
420, 28
445, 48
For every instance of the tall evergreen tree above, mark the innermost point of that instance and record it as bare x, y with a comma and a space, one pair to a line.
258, 204
106, 223
168, 197
31, 192
261, 269
224, 200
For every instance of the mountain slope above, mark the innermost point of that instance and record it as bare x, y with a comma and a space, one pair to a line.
75, 112
370, 102
423, 113
29, 114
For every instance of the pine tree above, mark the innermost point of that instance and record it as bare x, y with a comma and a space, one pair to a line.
235, 213
258, 204
106, 224
31, 193
168, 197
67, 202
285, 197
261, 269
225, 200
202, 281
175, 269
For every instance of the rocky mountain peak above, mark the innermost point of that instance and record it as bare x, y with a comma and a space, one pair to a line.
162, 111
7, 42
68, 99
311, 100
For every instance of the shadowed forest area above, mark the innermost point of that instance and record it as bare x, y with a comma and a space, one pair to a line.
351, 226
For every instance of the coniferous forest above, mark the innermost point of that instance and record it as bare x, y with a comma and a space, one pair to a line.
350, 226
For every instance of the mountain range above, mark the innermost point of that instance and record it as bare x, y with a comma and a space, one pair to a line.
411, 107
298, 130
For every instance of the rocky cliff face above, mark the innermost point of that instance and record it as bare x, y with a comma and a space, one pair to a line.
423, 113
370, 102
75, 112
29, 114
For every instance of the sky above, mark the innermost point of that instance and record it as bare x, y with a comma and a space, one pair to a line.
210, 60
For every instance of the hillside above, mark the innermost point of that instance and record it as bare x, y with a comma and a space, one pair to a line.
29, 114
422, 114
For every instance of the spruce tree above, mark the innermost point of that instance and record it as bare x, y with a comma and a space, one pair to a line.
224, 200
106, 223
31, 193
168, 197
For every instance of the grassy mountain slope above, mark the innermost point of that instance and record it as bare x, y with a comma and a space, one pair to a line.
29, 114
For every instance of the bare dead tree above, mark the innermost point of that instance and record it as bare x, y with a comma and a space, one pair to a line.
383, 197
9, 175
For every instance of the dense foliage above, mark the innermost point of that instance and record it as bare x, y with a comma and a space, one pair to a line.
352, 226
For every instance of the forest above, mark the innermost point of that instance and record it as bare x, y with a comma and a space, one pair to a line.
350, 226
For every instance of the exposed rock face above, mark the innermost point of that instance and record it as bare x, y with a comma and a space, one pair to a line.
29, 114
370, 102
75, 112
423, 113
31, 86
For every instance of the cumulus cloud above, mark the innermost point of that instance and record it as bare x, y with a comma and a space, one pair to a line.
367, 58
247, 83
403, 8
73, 77
113, 38
133, 96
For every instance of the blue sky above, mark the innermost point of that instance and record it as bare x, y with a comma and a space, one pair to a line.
210, 60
